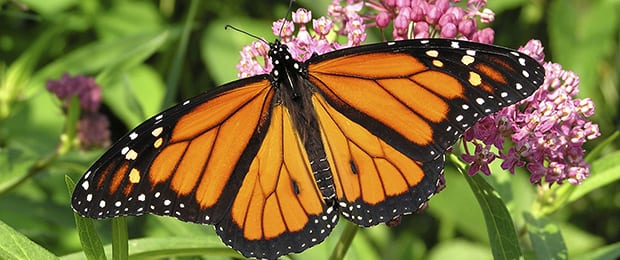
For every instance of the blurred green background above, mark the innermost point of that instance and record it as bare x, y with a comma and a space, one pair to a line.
137, 53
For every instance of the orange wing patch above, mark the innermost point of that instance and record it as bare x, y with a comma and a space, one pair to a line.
365, 168
396, 90
190, 160
279, 193
382, 64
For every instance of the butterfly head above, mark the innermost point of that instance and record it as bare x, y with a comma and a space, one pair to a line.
281, 59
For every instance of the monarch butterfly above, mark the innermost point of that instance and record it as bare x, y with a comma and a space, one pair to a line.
273, 160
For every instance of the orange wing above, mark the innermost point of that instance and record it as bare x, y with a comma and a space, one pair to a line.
373, 181
278, 206
233, 158
388, 112
186, 162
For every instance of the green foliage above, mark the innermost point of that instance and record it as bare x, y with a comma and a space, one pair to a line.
148, 55
17, 246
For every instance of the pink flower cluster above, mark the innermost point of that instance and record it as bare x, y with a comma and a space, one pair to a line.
254, 58
83, 87
92, 128
441, 18
410, 18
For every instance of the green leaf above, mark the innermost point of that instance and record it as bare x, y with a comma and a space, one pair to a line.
14, 166
134, 53
14, 245
113, 56
220, 48
128, 18
345, 241
459, 249
606, 252
457, 210
584, 43
120, 249
156, 248
49, 7
18, 75
91, 243
545, 237
604, 171
501, 230
174, 72
138, 95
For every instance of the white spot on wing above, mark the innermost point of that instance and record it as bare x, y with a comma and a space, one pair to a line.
432, 53
518, 86
525, 74
85, 185
157, 131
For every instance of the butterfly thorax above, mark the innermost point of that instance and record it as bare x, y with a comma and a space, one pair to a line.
285, 69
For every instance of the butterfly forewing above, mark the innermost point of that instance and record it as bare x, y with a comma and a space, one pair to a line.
181, 162
420, 95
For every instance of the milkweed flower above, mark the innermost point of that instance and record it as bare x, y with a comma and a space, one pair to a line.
83, 87
92, 127
423, 19
304, 37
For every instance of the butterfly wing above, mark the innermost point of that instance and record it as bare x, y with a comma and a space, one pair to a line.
186, 162
239, 159
373, 181
278, 208
389, 111
231, 158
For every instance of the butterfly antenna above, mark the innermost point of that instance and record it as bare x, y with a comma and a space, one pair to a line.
244, 32
288, 12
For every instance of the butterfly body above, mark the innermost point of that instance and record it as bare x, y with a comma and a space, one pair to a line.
273, 160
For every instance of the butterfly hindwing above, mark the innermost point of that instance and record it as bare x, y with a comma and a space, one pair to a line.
373, 181
278, 208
